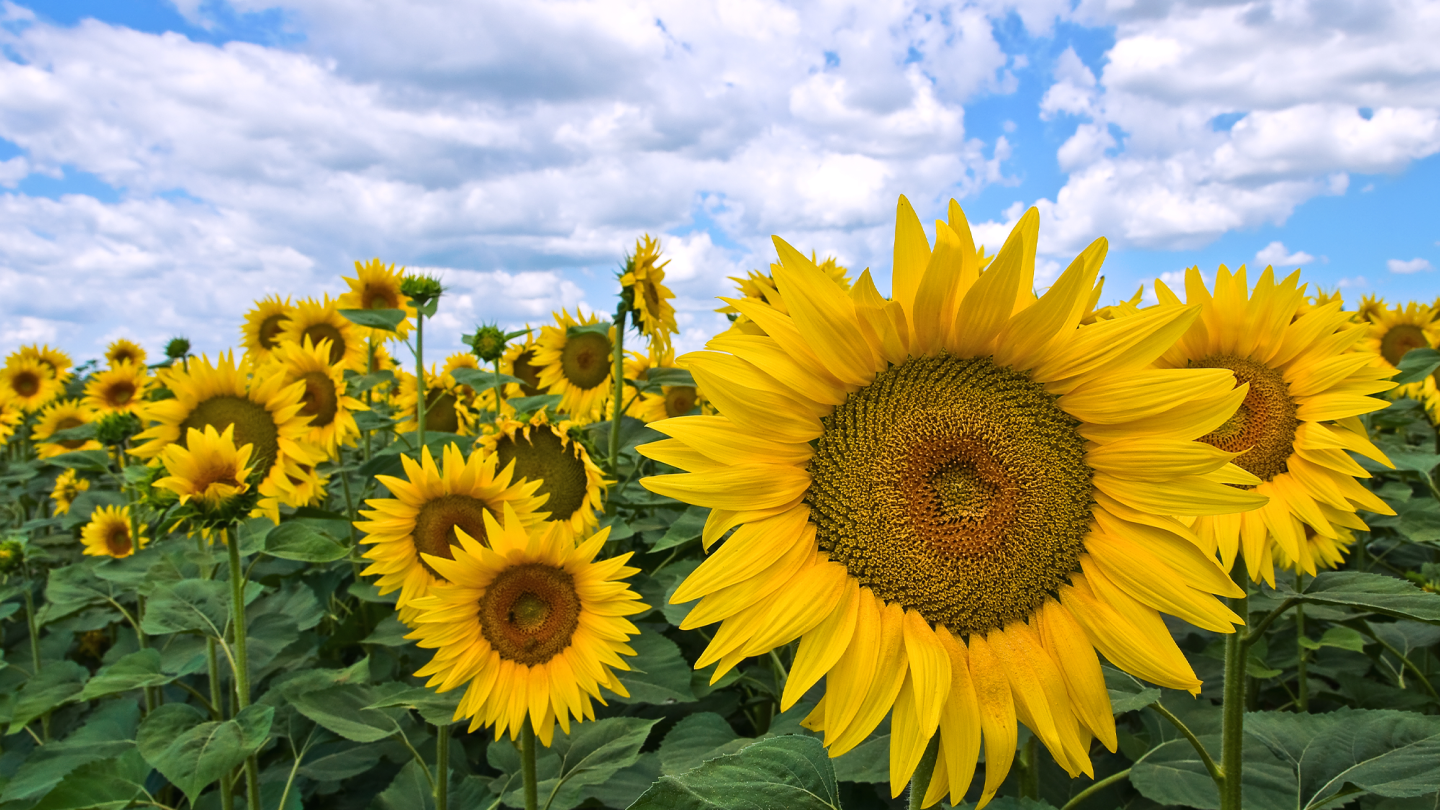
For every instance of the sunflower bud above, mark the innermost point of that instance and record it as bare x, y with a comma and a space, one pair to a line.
112, 430
422, 290
177, 348
488, 343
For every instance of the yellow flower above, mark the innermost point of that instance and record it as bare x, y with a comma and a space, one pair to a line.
953, 498
447, 406
57, 362
1370, 309
108, 533
207, 468
544, 453
428, 507
1395, 331
377, 286
10, 416
263, 326
1305, 384
644, 278
29, 382
62, 415
530, 623
576, 366
124, 351
519, 361
1316, 551
1320, 299
330, 411
1094, 313
321, 320
672, 401
118, 389
68, 486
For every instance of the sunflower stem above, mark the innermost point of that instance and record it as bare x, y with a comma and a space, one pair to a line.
1210, 766
617, 370
499, 393
527, 766
1232, 729
1030, 769
242, 662
1302, 687
369, 401
1096, 788
442, 767
420, 380
920, 782
35, 647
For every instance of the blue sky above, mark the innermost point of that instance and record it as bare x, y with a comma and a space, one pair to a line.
163, 164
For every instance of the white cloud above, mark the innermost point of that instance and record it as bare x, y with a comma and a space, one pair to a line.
1276, 254
1353, 283
1408, 266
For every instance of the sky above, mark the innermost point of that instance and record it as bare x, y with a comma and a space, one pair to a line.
164, 163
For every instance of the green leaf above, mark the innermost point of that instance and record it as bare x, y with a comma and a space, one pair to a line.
111, 784
79, 433
83, 460
390, 633
58, 683
409, 790
698, 738
1388, 753
340, 760
383, 319
293, 540
1338, 636
193, 753
1126, 693
344, 709
602, 328
437, 708
1375, 593
108, 733
134, 671
535, 403
782, 772
88, 501
626, 784
686, 528
1408, 458
589, 755
670, 377
658, 673
483, 380
1419, 520
190, 605
1172, 774
360, 383
1416, 365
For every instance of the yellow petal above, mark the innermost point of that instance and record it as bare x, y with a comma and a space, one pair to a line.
1074, 656
824, 315
997, 714
746, 486
849, 680
988, 305
764, 352
1147, 578
1134, 641
751, 549
1108, 347
822, 647
912, 255
1153, 459
930, 671
891, 667
1184, 495
959, 721
726, 442
938, 296
1055, 315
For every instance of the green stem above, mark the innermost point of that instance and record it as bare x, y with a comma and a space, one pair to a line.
617, 370
1302, 691
242, 661
442, 767
420, 379
1204, 755
499, 393
35, 648
920, 782
1095, 788
369, 400
527, 767
1232, 728
1030, 769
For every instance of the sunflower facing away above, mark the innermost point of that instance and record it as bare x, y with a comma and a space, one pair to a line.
447, 407
207, 469
576, 365
124, 351
1304, 385
377, 286
68, 486
62, 415
108, 533
644, 280
428, 507
953, 498
330, 411
321, 320
118, 389
263, 325
574, 488
29, 382
530, 623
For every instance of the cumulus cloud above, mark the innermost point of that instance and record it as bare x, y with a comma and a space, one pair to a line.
1407, 266
1276, 254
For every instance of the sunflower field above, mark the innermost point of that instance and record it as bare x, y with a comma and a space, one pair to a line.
964, 545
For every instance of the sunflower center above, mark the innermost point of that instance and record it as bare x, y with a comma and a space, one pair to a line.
1401, 338
320, 401
270, 328
253, 425
679, 400
527, 372
1263, 429
954, 487
117, 539
380, 297
26, 383
440, 413
325, 331
436, 523
67, 423
545, 458
586, 360
120, 393
529, 613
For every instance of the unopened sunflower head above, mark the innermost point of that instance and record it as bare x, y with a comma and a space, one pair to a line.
953, 498
178, 348
488, 343
423, 290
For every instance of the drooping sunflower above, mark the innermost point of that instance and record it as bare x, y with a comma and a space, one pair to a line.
56, 361
427, 508
447, 407
671, 401
263, 326
530, 623
29, 382
207, 469
68, 486
330, 411
108, 533
377, 286
1395, 331
1304, 383
543, 452
118, 389
576, 365
124, 351
953, 498
264, 410
321, 320
62, 415
644, 284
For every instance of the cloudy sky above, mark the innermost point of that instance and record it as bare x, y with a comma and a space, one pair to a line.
165, 162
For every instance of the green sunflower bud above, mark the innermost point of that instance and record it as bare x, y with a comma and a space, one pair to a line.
113, 429
488, 343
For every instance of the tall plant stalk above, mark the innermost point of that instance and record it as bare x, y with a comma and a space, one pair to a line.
420, 379
242, 661
1232, 727
527, 766
617, 370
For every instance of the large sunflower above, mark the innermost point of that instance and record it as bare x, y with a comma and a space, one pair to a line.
68, 486
330, 411
263, 325
264, 410
118, 389
321, 320
544, 452
953, 498
62, 415
1304, 385
576, 365
377, 286
108, 533
1395, 331
428, 507
530, 622
29, 382
121, 350
447, 406
644, 280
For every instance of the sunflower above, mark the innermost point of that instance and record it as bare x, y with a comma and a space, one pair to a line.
1371, 307
1320, 299
124, 351
1316, 551
263, 326
530, 623
62, 415
377, 286
108, 533
644, 284
761, 286
1304, 385
10, 416
308, 487
519, 361
68, 486
321, 320
672, 401
576, 365
56, 361
1395, 331
265, 411
447, 407
330, 411
118, 389
953, 498
207, 468
29, 382
544, 452
430, 506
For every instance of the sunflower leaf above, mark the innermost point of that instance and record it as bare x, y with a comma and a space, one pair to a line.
658, 674
109, 783
193, 753
1172, 774
57, 684
483, 380
108, 733
670, 377
685, 528
293, 540
86, 460
134, 671
383, 319
1373, 593
602, 328
1416, 365
791, 772
79, 433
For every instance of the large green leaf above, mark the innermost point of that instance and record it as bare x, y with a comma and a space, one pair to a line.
483, 380
134, 671
1388, 753
792, 772
110, 784
1416, 365
589, 755
192, 752
670, 377
87, 502
1126, 693
85, 460
1374, 593
688, 527
293, 540
58, 683
698, 738
409, 790
383, 319
437, 708
109, 732
190, 605
1172, 774
658, 672
345, 709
